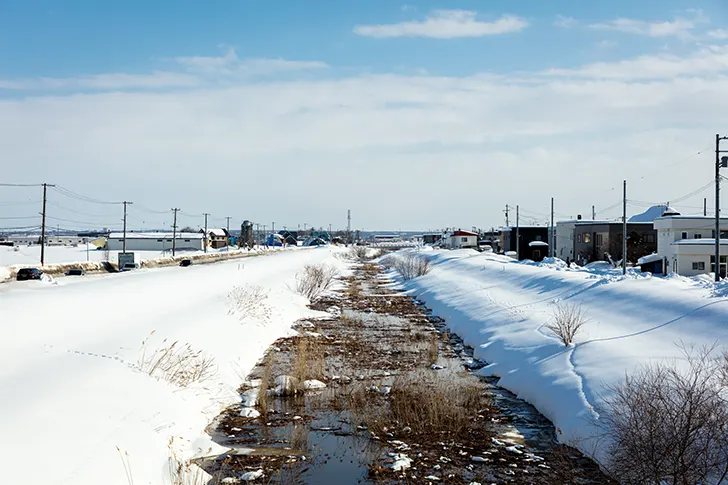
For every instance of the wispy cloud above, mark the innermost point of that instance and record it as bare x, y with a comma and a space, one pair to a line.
190, 72
720, 34
230, 64
565, 22
706, 61
678, 28
445, 24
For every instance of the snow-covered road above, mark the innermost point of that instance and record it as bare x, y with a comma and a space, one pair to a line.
69, 389
500, 306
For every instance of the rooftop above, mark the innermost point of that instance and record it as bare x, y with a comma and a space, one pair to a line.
156, 235
699, 242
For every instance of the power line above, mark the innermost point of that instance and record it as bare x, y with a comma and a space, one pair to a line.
75, 195
78, 212
21, 185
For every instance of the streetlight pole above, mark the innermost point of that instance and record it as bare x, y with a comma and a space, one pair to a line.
719, 162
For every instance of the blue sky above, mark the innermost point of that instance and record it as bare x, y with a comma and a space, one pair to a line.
456, 92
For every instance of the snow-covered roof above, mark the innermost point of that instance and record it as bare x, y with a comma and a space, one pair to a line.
695, 216
156, 235
650, 214
460, 232
218, 232
537, 243
649, 258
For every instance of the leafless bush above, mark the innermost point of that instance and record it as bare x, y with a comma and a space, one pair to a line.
359, 253
432, 405
265, 378
315, 280
667, 425
176, 363
433, 349
183, 472
409, 266
567, 321
249, 302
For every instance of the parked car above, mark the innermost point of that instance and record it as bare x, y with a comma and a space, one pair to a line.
185, 262
129, 267
75, 272
29, 274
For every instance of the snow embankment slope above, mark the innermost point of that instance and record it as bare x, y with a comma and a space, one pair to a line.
71, 392
500, 306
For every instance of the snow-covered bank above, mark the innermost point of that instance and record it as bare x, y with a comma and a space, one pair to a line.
70, 388
500, 306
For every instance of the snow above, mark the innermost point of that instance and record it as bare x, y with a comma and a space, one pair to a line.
156, 235
700, 242
650, 214
651, 258
70, 382
538, 244
499, 307
30, 255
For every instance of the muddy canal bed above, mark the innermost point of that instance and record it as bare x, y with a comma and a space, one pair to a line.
380, 392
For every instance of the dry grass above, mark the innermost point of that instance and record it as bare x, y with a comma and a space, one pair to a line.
249, 302
567, 322
176, 363
308, 359
432, 405
409, 266
359, 253
182, 472
315, 279
433, 350
265, 378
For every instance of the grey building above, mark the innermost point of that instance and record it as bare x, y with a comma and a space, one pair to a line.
602, 241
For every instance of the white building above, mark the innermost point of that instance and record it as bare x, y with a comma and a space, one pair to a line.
460, 239
686, 244
156, 241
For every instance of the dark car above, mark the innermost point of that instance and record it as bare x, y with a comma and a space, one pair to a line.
29, 274
185, 262
75, 272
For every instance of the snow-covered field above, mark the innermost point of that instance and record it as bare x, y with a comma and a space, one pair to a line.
500, 306
71, 390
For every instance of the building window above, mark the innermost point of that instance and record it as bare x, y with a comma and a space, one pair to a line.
684, 235
698, 266
587, 238
159, 240
697, 236
464, 239
578, 238
121, 240
649, 239
538, 238
187, 240
599, 239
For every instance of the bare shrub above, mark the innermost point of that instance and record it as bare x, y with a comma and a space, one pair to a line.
249, 302
176, 363
359, 253
183, 472
432, 405
409, 266
667, 425
315, 279
567, 321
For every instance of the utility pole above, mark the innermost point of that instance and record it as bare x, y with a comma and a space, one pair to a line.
228, 224
43, 224
624, 230
594, 214
518, 235
506, 211
718, 164
174, 232
123, 244
205, 239
705, 206
273, 228
553, 230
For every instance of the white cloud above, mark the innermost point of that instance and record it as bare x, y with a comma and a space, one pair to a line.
230, 64
565, 22
323, 144
445, 24
606, 44
720, 34
112, 81
711, 60
678, 28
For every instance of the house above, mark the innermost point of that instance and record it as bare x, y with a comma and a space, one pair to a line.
602, 241
686, 244
566, 239
460, 240
490, 238
156, 241
527, 235
218, 238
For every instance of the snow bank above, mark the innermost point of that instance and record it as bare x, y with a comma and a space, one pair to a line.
499, 307
76, 406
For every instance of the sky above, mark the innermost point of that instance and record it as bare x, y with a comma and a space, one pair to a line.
414, 115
